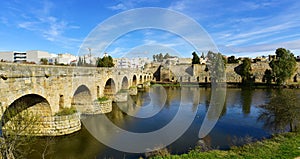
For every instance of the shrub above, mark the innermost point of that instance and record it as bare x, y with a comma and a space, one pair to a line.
66, 111
102, 99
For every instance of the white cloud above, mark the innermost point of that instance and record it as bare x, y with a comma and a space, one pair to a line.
119, 6
179, 5
39, 19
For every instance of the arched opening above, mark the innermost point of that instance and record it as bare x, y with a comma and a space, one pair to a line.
295, 78
206, 80
198, 79
25, 113
110, 88
134, 80
61, 101
141, 79
125, 83
145, 78
81, 97
98, 91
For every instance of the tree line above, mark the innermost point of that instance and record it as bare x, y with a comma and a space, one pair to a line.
283, 66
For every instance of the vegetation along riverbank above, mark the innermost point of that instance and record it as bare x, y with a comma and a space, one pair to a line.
285, 145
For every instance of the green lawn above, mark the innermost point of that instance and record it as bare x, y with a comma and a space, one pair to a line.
280, 146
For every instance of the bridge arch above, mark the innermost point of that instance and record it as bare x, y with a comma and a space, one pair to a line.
34, 103
125, 83
110, 88
141, 79
81, 97
134, 80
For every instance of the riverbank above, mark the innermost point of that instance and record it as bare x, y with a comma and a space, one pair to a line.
228, 84
285, 145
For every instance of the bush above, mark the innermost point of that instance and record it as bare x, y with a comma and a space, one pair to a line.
102, 99
66, 111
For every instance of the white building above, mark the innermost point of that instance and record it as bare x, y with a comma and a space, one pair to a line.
65, 58
13, 56
28, 56
36, 56
137, 62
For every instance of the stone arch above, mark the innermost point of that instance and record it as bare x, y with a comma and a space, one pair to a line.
141, 79
145, 78
34, 103
110, 88
125, 84
82, 97
134, 80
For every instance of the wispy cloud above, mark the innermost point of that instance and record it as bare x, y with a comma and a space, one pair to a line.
39, 19
119, 6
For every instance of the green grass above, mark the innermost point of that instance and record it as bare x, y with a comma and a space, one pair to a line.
66, 111
122, 91
102, 99
280, 146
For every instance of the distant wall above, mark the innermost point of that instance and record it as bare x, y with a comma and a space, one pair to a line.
198, 73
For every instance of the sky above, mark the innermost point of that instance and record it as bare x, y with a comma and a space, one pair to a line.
236, 27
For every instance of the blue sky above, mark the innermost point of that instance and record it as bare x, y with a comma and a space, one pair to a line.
240, 28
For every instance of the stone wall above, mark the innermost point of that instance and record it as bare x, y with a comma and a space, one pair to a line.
45, 126
60, 125
258, 71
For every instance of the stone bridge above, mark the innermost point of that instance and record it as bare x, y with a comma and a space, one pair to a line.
49, 89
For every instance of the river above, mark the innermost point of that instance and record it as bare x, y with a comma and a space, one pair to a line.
238, 123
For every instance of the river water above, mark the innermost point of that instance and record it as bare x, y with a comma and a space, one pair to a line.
238, 123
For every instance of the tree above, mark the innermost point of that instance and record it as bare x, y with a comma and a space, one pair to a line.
246, 71
216, 65
160, 57
167, 56
232, 59
202, 56
106, 61
283, 66
282, 111
154, 58
80, 62
195, 59
268, 76
44, 61
55, 61
17, 127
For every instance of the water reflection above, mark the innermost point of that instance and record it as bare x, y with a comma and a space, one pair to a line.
245, 114
281, 113
246, 100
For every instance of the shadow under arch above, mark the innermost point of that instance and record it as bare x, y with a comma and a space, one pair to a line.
81, 96
110, 88
32, 102
134, 80
141, 79
125, 83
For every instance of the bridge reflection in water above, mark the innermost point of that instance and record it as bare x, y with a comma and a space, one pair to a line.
241, 105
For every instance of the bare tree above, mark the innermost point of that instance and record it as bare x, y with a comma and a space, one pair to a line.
17, 130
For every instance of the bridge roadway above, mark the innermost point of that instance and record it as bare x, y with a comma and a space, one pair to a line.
55, 87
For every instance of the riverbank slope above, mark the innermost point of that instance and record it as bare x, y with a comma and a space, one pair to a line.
285, 145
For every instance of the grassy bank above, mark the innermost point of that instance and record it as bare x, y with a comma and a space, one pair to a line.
280, 146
